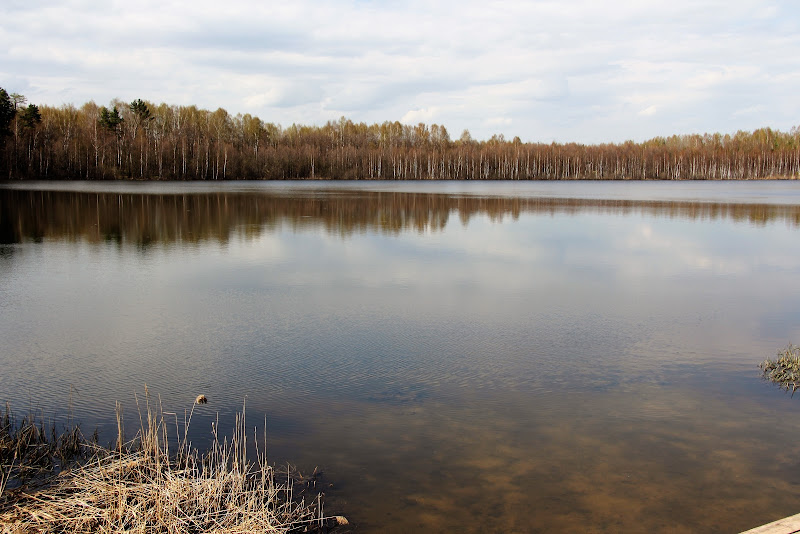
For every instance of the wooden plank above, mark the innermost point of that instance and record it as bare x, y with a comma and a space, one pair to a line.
787, 525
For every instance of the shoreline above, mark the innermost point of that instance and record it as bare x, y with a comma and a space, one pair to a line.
56, 480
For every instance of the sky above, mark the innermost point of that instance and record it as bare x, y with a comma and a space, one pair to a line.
567, 71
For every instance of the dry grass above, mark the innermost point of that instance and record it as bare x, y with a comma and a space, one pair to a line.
32, 451
140, 486
784, 370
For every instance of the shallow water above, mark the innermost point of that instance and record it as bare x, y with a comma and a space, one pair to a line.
454, 356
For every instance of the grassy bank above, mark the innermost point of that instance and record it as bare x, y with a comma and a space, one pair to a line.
55, 480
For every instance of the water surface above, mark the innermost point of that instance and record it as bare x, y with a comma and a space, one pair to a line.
455, 356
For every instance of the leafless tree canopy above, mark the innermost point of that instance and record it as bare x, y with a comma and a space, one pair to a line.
143, 140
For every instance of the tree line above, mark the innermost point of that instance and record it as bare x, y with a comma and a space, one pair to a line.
143, 140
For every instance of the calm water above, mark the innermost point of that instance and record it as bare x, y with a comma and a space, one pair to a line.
454, 356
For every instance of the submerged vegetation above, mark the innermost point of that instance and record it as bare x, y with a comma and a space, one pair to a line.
784, 370
61, 482
144, 140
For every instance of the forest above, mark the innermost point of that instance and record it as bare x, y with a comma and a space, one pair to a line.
142, 140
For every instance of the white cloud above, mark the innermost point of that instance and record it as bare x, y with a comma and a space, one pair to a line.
279, 93
415, 116
499, 121
569, 70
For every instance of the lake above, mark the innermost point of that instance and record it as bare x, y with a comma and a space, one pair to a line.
457, 356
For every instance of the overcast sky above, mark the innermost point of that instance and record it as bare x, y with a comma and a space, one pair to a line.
567, 70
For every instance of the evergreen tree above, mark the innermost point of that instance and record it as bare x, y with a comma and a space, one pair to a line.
110, 120
30, 116
139, 107
7, 112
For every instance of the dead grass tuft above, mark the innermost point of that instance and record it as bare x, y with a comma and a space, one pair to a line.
139, 485
784, 370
